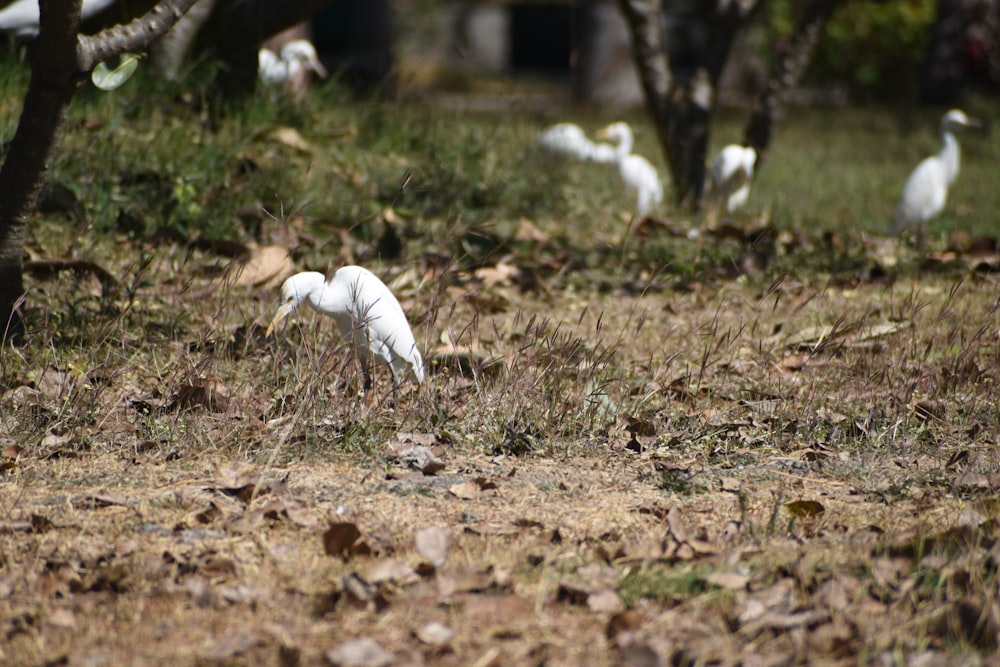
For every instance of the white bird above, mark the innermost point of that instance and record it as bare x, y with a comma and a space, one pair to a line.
567, 140
636, 171
21, 17
730, 175
368, 317
296, 55
926, 191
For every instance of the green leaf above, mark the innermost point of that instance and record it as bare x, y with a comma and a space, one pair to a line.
109, 77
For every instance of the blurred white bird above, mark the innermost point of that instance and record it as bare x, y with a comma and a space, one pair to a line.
567, 140
368, 317
636, 171
926, 190
296, 55
730, 175
21, 17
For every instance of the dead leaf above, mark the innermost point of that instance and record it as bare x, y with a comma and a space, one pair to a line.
228, 646
208, 393
733, 581
264, 267
805, 508
604, 601
465, 490
433, 543
12, 451
391, 569
528, 231
362, 652
340, 539
435, 634
287, 136
464, 579
677, 528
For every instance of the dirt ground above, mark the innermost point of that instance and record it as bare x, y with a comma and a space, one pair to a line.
778, 500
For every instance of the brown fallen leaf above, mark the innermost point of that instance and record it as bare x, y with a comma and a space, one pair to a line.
12, 451
732, 581
435, 634
465, 490
391, 569
263, 267
340, 538
604, 601
433, 543
805, 508
363, 652
228, 646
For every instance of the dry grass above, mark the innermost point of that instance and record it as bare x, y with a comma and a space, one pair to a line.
775, 449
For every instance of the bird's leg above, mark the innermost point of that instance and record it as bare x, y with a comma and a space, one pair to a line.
367, 381
920, 239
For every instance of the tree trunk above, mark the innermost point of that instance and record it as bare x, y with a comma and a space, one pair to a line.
786, 73
680, 67
61, 60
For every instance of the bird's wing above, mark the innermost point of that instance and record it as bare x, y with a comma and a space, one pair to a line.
924, 195
379, 323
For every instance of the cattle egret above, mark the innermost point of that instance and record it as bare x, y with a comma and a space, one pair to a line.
368, 317
636, 171
566, 140
730, 176
926, 190
21, 17
296, 55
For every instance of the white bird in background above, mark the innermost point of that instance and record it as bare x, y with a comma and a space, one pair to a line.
567, 140
636, 171
926, 190
296, 55
368, 317
21, 17
730, 175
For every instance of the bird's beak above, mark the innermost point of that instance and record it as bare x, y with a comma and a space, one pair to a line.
317, 67
972, 122
280, 315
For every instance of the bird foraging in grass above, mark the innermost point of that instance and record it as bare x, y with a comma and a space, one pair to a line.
296, 55
926, 191
636, 171
730, 175
368, 317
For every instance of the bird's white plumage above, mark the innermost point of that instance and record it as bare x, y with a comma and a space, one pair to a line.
730, 176
568, 140
21, 17
296, 55
926, 191
367, 314
636, 171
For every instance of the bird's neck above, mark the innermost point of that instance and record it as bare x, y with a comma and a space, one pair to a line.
950, 155
624, 147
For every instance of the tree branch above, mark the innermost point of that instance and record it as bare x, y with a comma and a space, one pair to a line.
135, 37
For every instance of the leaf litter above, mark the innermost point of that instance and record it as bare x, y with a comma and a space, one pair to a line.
764, 486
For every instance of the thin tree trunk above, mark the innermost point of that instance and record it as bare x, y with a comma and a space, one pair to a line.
61, 59
786, 74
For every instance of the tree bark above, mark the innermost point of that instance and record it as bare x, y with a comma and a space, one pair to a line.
61, 60
786, 73
679, 66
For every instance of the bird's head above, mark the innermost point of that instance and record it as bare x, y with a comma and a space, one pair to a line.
293, 292
302, 50
957, 118
616, 132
